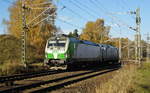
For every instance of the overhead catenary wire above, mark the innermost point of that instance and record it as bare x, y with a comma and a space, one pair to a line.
121, 4
69, 9
112, 16
124, 3
40, 15
94, 3
41, 20
87, 7
46, 18
69, 23
73, 12
99, 7
59, 19
124, 6
78, 6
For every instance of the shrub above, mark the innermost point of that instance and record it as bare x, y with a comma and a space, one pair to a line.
10, 48
11, 67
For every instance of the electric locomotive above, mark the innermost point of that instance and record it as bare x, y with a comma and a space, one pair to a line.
63, 50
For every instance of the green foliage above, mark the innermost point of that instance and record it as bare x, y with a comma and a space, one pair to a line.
74, 34
70, 34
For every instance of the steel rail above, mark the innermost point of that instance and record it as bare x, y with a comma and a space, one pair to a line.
16, 77
37, 84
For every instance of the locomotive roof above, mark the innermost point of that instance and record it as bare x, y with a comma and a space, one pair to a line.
75, 40
89, 43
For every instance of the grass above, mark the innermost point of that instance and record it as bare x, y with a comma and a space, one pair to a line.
122, 82
142, 80
11, 67
129, 80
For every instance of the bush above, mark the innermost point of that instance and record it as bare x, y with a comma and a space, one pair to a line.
11, 67
10, 48
10, 56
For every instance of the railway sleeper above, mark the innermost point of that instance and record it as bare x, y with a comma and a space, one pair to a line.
9, 83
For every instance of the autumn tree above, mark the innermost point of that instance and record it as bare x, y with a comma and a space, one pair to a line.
74, 34
70, 34
38, 31
95, 31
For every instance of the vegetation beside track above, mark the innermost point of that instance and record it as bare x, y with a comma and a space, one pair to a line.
142, 80
130, 79
120, 81
11, 68
133, 79
10, 56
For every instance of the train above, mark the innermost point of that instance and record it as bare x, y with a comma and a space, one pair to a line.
74, 53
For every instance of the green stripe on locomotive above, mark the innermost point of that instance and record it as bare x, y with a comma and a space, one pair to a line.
50, 56
58, 56
61, 56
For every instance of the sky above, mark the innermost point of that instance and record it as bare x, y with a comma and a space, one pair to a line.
77, 13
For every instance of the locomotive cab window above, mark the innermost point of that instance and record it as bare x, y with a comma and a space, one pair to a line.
56, 44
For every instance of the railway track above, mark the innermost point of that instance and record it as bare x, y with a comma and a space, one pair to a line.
8, 80
58, 82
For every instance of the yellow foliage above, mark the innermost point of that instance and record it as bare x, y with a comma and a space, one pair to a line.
95, 32
36, 35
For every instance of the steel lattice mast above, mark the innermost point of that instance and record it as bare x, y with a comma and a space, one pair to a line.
23, 34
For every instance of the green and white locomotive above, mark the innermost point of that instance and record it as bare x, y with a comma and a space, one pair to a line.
63, 50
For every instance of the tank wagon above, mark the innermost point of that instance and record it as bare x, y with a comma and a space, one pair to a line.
74, 53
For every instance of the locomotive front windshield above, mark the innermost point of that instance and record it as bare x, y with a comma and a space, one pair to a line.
56, 44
